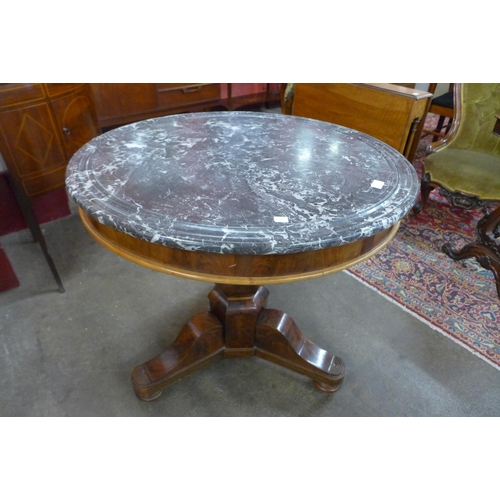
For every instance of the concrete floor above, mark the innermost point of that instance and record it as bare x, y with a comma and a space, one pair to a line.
71, 354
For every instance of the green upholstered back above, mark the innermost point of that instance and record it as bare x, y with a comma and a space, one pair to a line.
480, 104
470, 162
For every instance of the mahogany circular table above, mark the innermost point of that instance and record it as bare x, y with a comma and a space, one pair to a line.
240, 199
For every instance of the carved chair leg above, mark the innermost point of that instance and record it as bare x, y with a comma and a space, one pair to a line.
486, 249
426, 186
484, 256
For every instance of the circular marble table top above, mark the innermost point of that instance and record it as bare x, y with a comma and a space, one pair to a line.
242, 183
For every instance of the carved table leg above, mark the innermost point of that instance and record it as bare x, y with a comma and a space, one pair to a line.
486, 250
238, 325
279, 340
200, 342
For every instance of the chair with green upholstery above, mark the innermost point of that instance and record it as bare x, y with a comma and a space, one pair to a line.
465, 167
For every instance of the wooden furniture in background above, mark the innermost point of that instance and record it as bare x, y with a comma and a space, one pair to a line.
240, 96
442, 105
121, 103
465, 168
390, 113
41, 126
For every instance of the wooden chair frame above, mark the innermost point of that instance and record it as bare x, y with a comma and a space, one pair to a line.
443, 113
485, 249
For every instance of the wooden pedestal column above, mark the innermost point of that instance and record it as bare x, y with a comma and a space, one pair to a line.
238, 324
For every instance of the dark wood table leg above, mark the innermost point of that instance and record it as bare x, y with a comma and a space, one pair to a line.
200, 342
279, 340
238, 325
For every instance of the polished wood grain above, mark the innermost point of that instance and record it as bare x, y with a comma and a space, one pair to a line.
121, 103
200, 342
238, 325
238, 269
278, 339
116, 100
41, 127
175, 95
391, 113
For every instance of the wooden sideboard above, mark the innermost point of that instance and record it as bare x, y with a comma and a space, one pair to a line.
392, 113
120, 103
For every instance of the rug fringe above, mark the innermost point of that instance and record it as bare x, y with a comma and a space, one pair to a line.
434, 327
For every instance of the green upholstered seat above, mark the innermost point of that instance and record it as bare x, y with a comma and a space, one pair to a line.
468, 160
470, 172
465, 166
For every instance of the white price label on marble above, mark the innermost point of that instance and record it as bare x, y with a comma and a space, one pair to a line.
280, 219
377, 184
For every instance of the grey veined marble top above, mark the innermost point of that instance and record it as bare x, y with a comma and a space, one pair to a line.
242, 182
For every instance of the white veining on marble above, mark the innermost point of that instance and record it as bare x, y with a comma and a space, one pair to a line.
216, 181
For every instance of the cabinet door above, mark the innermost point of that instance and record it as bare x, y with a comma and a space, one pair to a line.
30, 143
76, 120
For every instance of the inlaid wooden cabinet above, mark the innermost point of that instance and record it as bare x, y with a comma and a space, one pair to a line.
120, 103
41, 126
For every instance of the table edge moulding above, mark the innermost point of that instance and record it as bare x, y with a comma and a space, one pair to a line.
194, 196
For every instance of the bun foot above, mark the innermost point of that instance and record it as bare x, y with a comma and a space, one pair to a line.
330, 389
141, 383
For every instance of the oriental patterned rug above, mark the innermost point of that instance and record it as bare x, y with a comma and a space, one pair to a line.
458, 299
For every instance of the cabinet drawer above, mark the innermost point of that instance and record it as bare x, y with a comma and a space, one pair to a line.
14, 93
177, 95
